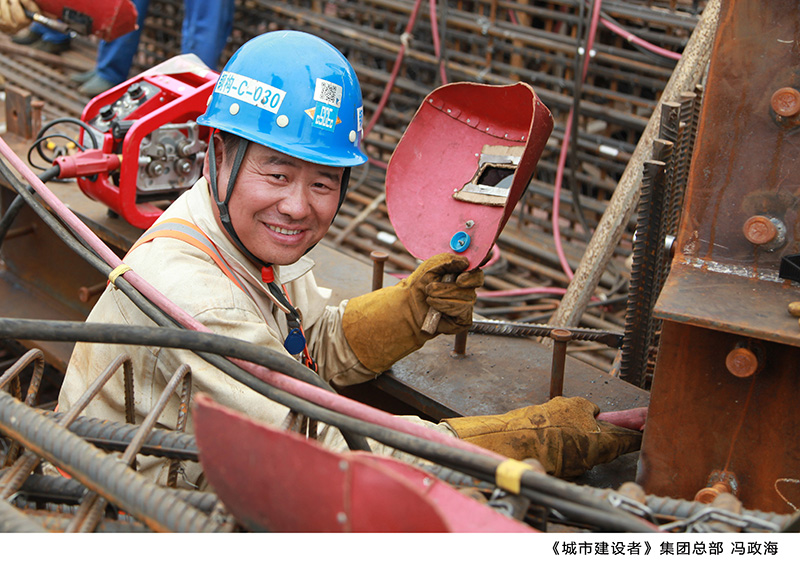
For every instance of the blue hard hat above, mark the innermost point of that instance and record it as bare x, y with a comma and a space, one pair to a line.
292, 92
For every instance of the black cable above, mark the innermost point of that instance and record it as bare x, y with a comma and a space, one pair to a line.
94, 332
53, 123
16, 205
37, 146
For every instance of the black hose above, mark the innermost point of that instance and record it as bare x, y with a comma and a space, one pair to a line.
96, 332
16, 205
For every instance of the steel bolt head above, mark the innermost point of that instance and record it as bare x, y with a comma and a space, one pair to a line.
560, 334
786, 102
708, 495
378, 256
741, 362
759, 230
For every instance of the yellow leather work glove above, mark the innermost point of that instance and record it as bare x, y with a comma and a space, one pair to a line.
562, 434
12, 14
385, 325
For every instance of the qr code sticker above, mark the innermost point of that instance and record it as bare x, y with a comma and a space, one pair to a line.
328, 92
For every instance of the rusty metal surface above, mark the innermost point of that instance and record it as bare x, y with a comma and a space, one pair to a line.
723, 291
498, 374
745, 159
730, 303
702, 418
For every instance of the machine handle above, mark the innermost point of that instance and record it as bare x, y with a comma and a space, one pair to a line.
431, 322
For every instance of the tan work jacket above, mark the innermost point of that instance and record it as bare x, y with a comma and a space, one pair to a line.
191, 279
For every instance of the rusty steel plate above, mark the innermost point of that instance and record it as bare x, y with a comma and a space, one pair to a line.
725, 385
497, 374
746, 158
703, 419
730, 303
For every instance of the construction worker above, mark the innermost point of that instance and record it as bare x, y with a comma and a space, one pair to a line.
286, 116
204, 32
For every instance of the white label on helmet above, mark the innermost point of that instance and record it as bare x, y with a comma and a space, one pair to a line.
360, 115
250, 91
328, 93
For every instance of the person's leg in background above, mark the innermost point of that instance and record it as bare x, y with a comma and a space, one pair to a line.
206, 28
114, 58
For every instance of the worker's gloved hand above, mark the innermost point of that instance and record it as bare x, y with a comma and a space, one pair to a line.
12, 14
385, 325
562, 434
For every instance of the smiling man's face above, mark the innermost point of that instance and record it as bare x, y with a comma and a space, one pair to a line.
281, 205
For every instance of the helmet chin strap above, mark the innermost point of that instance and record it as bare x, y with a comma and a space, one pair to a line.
292, 316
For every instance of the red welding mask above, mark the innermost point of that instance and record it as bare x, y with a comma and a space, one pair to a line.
149, 122
463, 163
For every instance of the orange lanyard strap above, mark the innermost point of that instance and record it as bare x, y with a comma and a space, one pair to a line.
189, 233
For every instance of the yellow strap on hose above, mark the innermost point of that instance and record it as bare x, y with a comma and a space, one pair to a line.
509, 474
121, 269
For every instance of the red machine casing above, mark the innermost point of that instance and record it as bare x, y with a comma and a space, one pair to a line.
177, 97
106, 20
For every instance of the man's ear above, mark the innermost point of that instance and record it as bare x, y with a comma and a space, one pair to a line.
219, 152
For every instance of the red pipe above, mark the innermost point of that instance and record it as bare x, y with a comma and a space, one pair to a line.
395, 70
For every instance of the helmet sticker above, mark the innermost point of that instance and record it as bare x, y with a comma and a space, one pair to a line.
326, 116
250, 91
321, 117
329, 99
328, 93
360, 117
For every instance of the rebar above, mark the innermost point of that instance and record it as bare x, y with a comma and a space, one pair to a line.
158, 508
